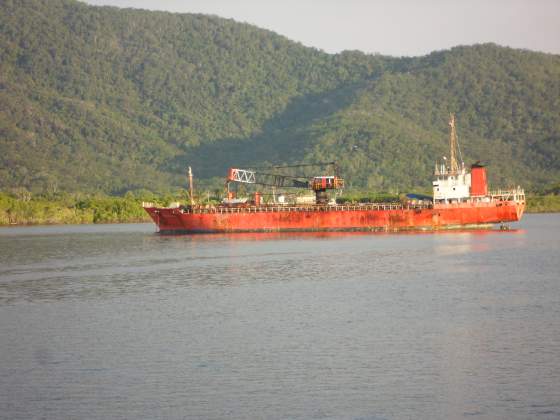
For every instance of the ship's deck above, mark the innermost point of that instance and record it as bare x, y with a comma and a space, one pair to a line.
291, 208
490, 200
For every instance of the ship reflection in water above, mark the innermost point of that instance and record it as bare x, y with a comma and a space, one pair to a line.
119, 322
267, 236
477, 241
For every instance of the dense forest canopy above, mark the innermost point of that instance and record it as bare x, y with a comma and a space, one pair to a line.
111, 100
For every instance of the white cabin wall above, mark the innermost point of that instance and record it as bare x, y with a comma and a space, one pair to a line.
452, 187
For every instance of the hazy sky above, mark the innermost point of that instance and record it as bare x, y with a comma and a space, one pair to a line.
394, 27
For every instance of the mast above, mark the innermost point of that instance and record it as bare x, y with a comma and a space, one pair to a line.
191, 186
453, 146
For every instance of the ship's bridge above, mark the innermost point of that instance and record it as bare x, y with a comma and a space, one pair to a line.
451, 186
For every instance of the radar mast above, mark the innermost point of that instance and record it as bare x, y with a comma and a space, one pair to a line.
453, 147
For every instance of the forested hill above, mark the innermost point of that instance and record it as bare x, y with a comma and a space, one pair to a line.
107, 99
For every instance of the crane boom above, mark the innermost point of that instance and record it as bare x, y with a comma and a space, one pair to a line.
241, 175
247, 176
319, 184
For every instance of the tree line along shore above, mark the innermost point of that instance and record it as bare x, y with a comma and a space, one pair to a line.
18, 208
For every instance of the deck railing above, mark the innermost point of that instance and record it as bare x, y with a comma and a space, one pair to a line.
276, 209
504, 195
498, 195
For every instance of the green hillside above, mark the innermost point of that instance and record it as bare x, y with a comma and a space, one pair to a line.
107, 99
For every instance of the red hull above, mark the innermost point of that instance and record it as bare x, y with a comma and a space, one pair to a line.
334, 218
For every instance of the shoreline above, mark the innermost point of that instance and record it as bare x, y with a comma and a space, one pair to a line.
75, 210
149, 221
142, 222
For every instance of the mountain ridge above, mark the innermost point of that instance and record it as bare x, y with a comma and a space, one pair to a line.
106, 99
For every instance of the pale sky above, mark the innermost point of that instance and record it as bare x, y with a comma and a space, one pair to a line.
390, 27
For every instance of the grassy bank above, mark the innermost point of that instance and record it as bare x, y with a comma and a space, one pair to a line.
71, 209
22, 209
543, 203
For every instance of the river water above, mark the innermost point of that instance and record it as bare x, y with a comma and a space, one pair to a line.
115, 321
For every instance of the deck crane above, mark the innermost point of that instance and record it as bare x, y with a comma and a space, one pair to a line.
263, 176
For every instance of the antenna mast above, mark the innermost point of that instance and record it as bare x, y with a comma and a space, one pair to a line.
191, 193
453, 146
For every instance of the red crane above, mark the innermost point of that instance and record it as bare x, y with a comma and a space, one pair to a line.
319, 184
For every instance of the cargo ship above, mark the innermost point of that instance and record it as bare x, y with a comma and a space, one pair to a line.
461, 199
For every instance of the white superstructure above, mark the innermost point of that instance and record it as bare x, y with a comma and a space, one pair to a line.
453, 182
451, 186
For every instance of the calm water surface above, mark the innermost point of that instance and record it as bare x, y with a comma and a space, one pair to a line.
115, 321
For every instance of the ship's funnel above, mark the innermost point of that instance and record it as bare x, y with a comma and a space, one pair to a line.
479, 185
